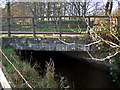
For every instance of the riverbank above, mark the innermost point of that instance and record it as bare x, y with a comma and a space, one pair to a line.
31, 75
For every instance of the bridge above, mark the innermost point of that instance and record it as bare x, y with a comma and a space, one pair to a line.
54, 33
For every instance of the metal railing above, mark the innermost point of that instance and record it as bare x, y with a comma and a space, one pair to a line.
57, 19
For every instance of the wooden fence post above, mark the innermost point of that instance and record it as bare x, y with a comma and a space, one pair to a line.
60, 30
33, 24
88, 27
9, 27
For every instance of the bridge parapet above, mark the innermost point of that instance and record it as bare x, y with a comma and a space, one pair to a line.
46, 44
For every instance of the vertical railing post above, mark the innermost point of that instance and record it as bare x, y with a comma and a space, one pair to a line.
9, 14
88, 27
33, 24
118, 23
9, 27
118, 55
60, 30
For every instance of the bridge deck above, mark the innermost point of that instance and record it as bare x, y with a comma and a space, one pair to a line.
41, 34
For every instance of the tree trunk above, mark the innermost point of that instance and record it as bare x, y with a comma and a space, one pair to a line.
108, 7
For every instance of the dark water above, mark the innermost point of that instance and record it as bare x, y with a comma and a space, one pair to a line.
79, 73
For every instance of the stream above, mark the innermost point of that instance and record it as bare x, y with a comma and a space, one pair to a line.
78, 72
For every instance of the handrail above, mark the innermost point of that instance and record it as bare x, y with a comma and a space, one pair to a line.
59, 18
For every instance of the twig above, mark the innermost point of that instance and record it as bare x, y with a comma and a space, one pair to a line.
97, 39
71, 28
107, 57
79, 29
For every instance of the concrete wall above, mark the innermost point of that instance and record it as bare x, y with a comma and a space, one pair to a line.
46, 44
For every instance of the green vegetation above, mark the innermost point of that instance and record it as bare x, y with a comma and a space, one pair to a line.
73, 24
51, 29
64, 24
115, 70
109, 31
29, 73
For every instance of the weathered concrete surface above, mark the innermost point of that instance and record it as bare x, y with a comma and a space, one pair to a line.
46, 44
0, 53
3, 81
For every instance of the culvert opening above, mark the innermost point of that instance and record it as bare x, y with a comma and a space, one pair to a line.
78, 72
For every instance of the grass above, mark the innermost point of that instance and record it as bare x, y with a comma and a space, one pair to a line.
29, 73
51, 29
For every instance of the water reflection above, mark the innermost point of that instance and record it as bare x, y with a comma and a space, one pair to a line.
82, 75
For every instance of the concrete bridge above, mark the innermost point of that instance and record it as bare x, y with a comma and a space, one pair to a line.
54, 44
